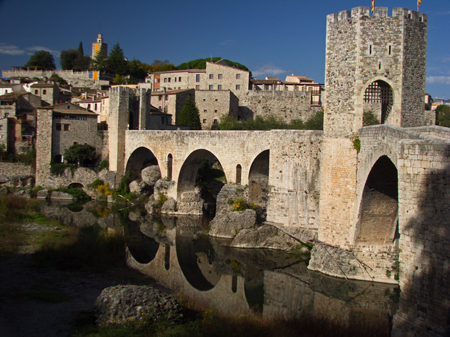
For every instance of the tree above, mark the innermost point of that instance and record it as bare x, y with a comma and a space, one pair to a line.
189, 115
99, 61
80, 49
369, 118
42, 59
68, 58
80, 154
315, 122
117, 64
119, 79
443, 115
81, 63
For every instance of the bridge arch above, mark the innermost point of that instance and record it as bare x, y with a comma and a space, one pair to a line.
139, 159
378, 211
187, 189
258, 179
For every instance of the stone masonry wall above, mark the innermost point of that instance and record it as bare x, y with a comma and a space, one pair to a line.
80, 131
43, 145
294, 178
287, 105
119, 98
424, 213
214, 104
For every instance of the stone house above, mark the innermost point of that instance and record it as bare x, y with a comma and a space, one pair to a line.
48, 92
176, 79
70, 124
213, 104
171, 102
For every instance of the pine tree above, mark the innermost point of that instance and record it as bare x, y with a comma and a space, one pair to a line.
80, 48
189, 115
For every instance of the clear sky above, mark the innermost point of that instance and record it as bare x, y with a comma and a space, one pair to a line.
272, 38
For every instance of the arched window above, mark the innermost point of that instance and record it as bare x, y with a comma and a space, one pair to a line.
169, 166
379, 99
238, 173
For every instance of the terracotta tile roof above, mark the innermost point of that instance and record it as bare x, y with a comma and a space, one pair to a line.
179, 71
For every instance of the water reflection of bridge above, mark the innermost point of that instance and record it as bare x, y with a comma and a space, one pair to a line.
242, 281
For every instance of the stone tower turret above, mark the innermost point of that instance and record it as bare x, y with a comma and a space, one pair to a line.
375, 63
98, 45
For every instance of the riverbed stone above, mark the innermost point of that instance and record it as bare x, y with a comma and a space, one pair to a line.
151, 174
124, 303
42, 194
229, 225
151, 206
170, 206
61, 195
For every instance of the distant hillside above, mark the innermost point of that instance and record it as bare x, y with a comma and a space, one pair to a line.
201, 64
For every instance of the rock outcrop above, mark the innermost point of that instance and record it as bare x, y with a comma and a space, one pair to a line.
229, 225
124, 303
150, 175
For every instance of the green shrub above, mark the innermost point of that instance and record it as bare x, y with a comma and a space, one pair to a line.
104, 164
77, 193
370, 119
97, 183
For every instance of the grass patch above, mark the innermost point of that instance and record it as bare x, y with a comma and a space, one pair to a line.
209, 323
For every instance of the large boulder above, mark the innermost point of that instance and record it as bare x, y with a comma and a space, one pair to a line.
227, 196
150, 175
42, 194
151, 206
61, 196
170, 206
229, 225
124, 303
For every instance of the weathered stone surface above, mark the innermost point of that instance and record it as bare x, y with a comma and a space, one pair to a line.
151, 174
229, 225
124, 303
135, 187
264, 237
3, 179
150, 206
23, 193
61, 195
42, 194
170, 206
227, 196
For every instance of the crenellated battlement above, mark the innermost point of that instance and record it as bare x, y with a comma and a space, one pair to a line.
379, 12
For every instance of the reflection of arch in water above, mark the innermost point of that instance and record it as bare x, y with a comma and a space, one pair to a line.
189, 170
254, 288
258, 180
141, 247
378, 217
138, 160
379, 98
196, 258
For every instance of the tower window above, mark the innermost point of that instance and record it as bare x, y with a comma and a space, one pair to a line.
390, 50
370, 49
379, 65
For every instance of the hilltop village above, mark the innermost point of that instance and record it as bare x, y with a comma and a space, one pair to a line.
81, 106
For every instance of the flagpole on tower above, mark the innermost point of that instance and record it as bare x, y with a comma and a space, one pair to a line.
373, 5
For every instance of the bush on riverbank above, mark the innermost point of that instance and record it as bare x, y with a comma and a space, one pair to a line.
209, 323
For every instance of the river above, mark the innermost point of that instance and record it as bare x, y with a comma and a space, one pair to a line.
176, 252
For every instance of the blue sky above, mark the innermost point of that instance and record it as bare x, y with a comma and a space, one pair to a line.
273, 38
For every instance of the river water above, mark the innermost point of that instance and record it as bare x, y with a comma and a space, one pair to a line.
176, 252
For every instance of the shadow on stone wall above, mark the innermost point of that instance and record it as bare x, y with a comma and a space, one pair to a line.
425, 259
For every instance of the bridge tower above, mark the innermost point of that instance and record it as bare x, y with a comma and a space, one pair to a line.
373, 62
